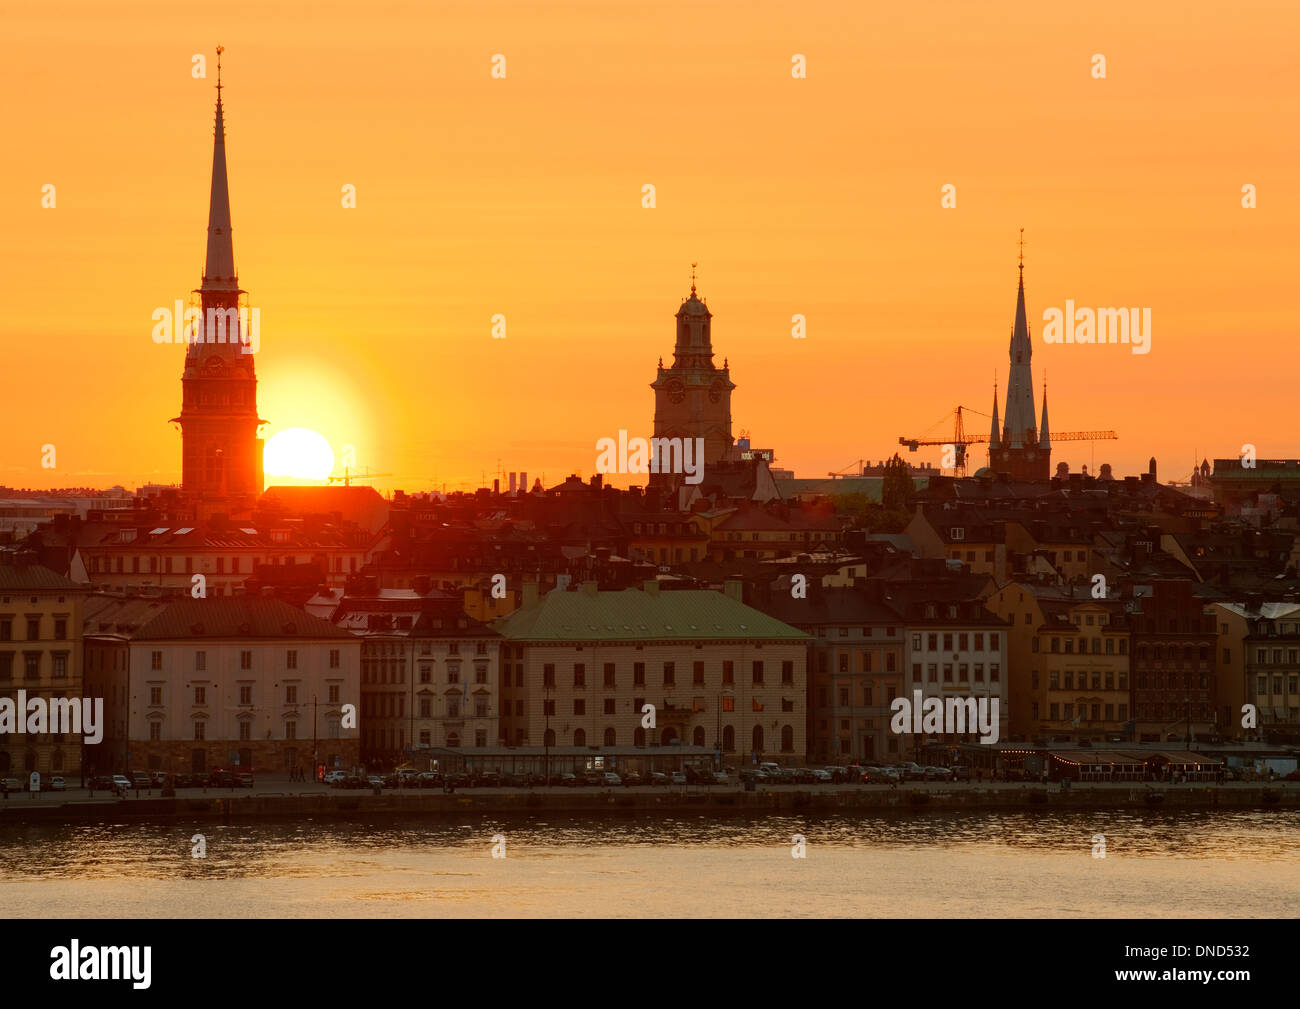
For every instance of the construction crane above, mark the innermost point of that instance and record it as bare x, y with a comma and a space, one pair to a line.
347, 479
960, 439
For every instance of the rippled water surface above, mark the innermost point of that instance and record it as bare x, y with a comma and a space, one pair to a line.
1191, 864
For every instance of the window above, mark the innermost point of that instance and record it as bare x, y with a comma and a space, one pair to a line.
200, 695
947, 672
728, 702
334, 658
198, 729
32, 665
155, 660
932, 673
155, 695
758, 671
33, 628
548, 675
697, 675
979, 672
60, 665
246, 694
155, 731
291, 693
638, 674
609, 673
932, 642
579, 674
334, 693
548, 707
610, 706
245, 660
995, 672
245, 729
579, 706
291, 659
916, 642
670, 674
728, 671
200, 661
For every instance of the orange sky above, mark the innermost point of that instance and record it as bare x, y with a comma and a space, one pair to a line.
523, 197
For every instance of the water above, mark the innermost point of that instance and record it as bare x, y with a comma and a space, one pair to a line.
1189, 864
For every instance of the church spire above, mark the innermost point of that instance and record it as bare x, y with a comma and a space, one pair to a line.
993, 433
1020, 427
219, 266
1044, 439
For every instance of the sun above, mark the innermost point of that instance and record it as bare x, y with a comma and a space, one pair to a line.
298, 452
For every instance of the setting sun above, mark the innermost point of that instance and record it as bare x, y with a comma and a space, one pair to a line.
298, 452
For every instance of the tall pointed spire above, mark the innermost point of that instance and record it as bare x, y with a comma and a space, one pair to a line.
1044, 439
1020, 427
993, 433
219, 267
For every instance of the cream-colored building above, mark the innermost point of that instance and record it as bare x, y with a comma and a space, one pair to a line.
40, 653
581, 666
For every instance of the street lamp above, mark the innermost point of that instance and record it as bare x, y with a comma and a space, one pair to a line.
546, 737
313, 737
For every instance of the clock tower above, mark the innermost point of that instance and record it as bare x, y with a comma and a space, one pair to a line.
693, 397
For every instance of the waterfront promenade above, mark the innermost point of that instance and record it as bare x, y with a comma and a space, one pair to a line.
277, 798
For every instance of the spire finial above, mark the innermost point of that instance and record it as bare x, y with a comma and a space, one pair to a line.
220, 50
693, 266
1022, 252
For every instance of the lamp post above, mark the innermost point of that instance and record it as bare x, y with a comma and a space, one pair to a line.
546, 737
313, 737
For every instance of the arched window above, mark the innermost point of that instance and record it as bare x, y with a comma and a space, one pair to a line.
787, 739
668, 735
638, 737
758, 739
550, 738
610, 736
453, 740
579, 737
728, 739
697, 737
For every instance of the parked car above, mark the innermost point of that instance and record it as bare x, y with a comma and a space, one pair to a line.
677, 778
822, 777
566, 779
804, 776
244, 780
632, 778
911, 771
222, 779
54, 784
657, 778
333, 776
104, 781
593, 779
938, 774
141, 779
158, 778
11, 785
883, 776
611, 778
1293, 776
121, 782
721, 778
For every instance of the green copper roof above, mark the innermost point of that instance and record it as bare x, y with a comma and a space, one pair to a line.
634, 615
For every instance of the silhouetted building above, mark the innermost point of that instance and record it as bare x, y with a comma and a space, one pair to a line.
1022, 448
220, 447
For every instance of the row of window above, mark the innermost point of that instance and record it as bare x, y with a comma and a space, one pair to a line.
1293, 683
1085, 712
963, 639
245, 660
245, 694
32, 665
963, 671
34, 625
668, 673
1068, 677
1083, 648
245, 729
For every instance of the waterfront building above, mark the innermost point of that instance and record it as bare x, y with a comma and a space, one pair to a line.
1069, 662
583, 664
244, 684
1173, 661
40, 654
1258, 664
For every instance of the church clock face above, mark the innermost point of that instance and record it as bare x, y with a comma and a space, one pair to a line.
676, 390
715, 392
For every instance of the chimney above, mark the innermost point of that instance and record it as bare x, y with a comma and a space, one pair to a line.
496, 487
523, 482
513, 478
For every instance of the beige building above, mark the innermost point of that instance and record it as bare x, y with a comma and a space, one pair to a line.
582, 665
241, 684
40, 654
1069, 661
